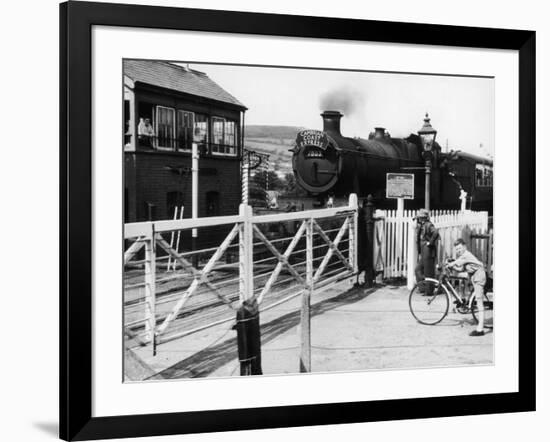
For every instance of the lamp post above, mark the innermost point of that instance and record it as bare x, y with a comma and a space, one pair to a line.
427, 136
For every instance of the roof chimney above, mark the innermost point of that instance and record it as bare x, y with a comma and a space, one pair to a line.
331, 121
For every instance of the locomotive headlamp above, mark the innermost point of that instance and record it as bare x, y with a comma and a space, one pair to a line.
427, 134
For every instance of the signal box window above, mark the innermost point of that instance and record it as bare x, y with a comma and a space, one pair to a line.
201, 131
146, 118
127, 124
165, 128
484, 175
185, 130
217, 134
223, 136
229, 137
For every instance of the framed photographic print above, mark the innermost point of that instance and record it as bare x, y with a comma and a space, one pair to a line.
273, 220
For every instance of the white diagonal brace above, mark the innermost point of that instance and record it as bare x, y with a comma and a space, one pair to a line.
166, 247
332, 248
278, 255
188, 266
133, 249
279, 266
331, 244
199, 279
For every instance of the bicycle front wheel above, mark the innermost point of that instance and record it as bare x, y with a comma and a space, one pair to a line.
487, 311
429, 302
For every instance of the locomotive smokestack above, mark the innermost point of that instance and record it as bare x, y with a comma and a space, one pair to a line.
379, 132
331, 121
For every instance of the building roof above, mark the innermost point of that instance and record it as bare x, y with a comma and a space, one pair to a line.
473, 158
177, 78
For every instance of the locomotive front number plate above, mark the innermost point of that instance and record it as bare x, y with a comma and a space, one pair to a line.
400, 185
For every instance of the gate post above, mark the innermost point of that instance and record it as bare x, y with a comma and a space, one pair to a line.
150, 287
246, 288
412, 255
353, 237
248, 316
305, 314
369, 221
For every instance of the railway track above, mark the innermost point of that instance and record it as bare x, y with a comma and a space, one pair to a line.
205, 308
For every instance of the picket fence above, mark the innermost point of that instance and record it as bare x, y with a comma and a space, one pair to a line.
395, 253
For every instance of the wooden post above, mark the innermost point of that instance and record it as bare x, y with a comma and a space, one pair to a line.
194, 197
369, 220
399, 236
305, 317
354, 205
248, 321
172, 240
178, 237
246, 289
463, 198
377, 250
150, 288
412, 255
400, 207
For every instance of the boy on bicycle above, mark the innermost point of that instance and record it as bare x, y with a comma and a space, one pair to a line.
467, 262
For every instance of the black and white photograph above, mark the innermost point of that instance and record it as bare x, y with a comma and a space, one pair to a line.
242, 221
283, 220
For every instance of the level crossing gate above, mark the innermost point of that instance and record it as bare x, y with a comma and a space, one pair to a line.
172, 290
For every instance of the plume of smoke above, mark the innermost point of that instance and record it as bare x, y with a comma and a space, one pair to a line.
345, 99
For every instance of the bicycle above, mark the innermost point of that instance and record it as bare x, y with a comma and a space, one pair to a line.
431, 305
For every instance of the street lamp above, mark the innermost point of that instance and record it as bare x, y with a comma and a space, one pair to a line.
427, 136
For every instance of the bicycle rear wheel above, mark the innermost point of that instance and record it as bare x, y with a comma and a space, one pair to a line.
429, 302
488, 311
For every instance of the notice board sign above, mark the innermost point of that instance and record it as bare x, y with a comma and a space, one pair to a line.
400, 185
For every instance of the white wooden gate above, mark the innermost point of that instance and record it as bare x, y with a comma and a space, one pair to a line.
171, 291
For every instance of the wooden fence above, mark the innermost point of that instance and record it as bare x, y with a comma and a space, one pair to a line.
394, 247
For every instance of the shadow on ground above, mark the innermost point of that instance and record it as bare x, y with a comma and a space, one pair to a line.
208, 360
50, 428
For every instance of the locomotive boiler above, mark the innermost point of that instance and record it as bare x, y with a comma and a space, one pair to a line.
328, 163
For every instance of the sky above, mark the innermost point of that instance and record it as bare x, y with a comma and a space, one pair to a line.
461, 108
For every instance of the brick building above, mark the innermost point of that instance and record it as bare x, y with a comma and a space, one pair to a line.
167, 107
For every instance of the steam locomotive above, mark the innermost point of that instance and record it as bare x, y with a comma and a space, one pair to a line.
328, 164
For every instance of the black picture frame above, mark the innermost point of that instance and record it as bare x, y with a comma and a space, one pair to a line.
76, 21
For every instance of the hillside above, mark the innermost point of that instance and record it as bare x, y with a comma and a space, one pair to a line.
276, 141
274, 132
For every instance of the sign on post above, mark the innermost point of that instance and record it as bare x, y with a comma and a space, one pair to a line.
400, 185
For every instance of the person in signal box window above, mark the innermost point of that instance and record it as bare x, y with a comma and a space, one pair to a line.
426, 242
145, 132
